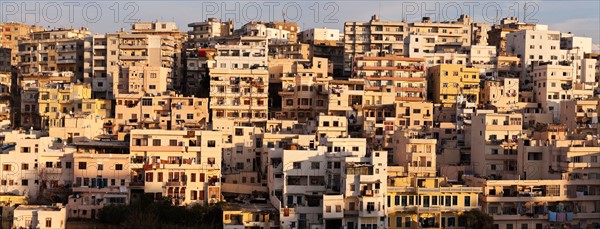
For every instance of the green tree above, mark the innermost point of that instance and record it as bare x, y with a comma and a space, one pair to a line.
477, 219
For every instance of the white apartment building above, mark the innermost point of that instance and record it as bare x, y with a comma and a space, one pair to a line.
555, 83
261, 29
184, 166
319, 35
34, 166
40, 216
337, 181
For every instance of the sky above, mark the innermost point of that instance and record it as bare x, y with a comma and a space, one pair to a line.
581, 17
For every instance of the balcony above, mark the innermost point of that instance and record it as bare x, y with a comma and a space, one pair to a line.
175, 183
70, 61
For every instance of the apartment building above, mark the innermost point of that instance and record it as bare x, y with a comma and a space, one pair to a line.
198, 62
54, 50
244, 163
502, 94
29, 87
262, 29
452, 34
5, 59
391, 37
427, 202
40, 216
404, 77
171, 36
352, 192
544, 47
204, 33
101, 176
580, 116
555, 83
167, 111
372, 36
554, 190
239, 83
494, 149
451, 84
184, 166
289, 51
5, 90
291, 27
497, 33
10, 35
320, 36
34, 166
124, 63
241, 216
305, 88
58, 100
71, 128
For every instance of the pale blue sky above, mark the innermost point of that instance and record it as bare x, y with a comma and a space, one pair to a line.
579, 17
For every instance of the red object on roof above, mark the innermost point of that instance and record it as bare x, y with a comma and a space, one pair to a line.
202, 53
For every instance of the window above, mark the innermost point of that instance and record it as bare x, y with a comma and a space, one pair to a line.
100, 167
119, 166
315, 165
297, 165
68, 165
407, 221
82, 165
24, 182
211, 143
467, 201
156, 142
398, 221
48, 222
173, 142
24, 166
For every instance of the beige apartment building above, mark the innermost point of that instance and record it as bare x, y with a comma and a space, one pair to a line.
494, 148
171, 35
124, 63
167, 111
101, 176
184, 166
580, 116
404, 77
54, 50
502, 94
10, 35
304, 88
372, 36
239, 83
